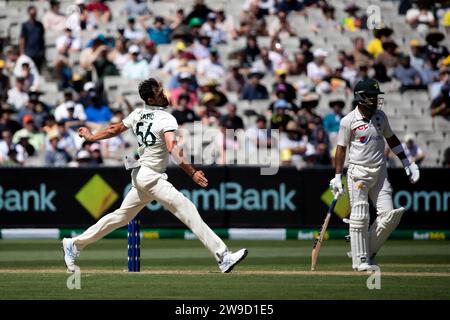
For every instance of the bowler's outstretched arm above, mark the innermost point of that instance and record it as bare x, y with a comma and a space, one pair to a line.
109, 132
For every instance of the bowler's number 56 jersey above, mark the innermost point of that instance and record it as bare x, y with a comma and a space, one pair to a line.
364, 138
149, 125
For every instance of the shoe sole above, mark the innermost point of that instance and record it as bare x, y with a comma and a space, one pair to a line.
237, 262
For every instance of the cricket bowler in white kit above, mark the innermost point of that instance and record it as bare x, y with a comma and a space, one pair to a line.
155, 131
363, 132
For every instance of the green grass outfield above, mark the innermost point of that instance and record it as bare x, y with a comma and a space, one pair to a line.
183, 269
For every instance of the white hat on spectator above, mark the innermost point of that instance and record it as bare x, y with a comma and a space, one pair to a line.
134, 49
89, 86
319, 52
410, 137
83, 154
78, 2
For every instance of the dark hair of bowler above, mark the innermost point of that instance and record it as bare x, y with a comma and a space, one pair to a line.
148, 89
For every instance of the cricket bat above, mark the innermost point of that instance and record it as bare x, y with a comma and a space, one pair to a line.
318, 241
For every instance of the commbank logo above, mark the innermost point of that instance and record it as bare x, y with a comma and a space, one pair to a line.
96, 196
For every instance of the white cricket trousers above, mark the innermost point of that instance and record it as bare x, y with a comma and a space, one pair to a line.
364, 183
149, 185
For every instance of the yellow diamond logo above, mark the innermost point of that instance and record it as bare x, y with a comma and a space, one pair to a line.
342, 208
96, 196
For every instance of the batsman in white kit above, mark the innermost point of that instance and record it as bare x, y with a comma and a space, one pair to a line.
363, 132
155, 130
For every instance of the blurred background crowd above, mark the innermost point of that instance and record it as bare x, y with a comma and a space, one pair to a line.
253, 64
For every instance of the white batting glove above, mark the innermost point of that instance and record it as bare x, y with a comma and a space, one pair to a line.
336, 186
412, 172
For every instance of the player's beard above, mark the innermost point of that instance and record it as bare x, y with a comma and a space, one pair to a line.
162, 101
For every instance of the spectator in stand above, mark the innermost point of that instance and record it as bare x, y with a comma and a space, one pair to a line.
18, 96
119, 55
54, 20
6, 145
442, 79
280, 117
305, 48
446, 158
281, 79
211, 68
321, 157
352, 22
34, 137
200, 10
389, 57
416, 56
290, 5
83, 159
62, 111
329, 23
231, 120
278, 55
4, 82
182, 112
421, 18
97, 111
318, 69
99, 12
77, 19
133, 34
263, 64
137, 8
152, 57
359, 53
66, 138
332, 120
281, 93
35, 107
251, 50
259, 136
135, 68
90, 54
408, 76
434, 51
160, 33
440, 106
412, 151
185, 80
113, 149
31, 40
6, 123
292, 145
253, 89
226, 24
211, 86
30, 82
103, 66
235, 80
54, 155
375, 46
281, 28
210, 29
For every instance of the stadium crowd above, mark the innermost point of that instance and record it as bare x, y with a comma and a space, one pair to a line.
205, 82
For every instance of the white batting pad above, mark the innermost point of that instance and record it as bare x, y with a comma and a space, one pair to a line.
382, 228
359, 233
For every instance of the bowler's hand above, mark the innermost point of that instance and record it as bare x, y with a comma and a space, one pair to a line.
200, 179
85, 133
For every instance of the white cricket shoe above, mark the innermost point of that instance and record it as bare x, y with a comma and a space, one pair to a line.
70, 253
367, 267
230, 259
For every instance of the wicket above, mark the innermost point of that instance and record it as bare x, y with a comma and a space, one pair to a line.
134, 242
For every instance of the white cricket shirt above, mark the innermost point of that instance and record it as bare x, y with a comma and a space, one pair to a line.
149, 125
364, 138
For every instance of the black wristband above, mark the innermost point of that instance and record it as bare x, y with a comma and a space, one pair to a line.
192, 175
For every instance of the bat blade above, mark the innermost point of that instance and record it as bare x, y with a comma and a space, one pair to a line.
318, 242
